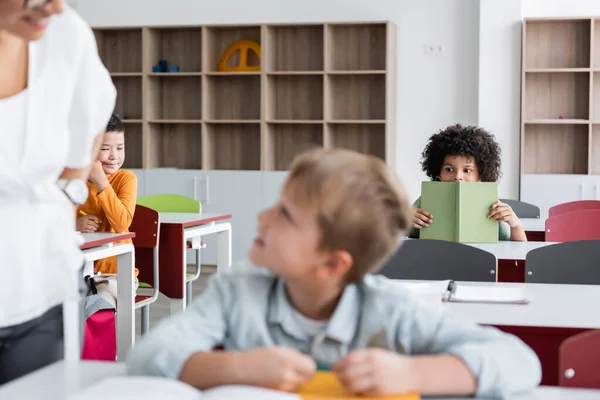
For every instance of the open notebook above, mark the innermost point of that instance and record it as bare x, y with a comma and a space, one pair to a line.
324, 386
452, 291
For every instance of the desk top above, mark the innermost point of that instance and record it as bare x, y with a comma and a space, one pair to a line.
100, 238
190, 219
556, 306
510, 250
534, 224
64, 379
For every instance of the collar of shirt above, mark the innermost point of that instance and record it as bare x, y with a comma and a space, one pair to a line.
341, 327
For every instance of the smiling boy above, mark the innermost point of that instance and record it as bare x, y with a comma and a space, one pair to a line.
112, 192
338, 219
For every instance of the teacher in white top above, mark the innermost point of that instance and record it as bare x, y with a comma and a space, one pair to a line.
55, 99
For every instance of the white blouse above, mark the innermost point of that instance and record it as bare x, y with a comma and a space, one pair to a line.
49, 126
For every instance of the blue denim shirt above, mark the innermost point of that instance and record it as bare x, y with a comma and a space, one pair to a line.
243, 310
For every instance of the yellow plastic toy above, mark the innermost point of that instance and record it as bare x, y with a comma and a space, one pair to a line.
243, 46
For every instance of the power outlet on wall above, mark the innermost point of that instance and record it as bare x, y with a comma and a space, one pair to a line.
433, 49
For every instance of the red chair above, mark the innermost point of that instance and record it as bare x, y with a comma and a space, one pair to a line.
146, 225
572, 226
578, 361
574, 206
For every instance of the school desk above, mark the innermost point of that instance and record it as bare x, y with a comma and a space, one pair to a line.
176, 230
554, 313
63, 379
97, 246
535, 228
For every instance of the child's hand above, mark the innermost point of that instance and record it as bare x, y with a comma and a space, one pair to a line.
421, 218
376, 372
500, 211
97, 173
87, 223
278, 368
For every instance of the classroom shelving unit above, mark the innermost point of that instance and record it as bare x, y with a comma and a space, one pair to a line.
560, 131
319, 85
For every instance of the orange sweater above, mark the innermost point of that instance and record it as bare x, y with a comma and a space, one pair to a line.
115, 207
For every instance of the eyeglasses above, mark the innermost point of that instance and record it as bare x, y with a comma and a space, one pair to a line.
32, 5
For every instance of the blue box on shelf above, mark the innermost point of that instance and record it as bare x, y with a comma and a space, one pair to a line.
173, 68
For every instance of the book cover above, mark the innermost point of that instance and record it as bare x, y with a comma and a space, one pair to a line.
460, 211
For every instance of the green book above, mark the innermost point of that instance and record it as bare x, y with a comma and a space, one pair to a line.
460, 211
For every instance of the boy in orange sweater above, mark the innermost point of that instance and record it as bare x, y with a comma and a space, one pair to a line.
113, 192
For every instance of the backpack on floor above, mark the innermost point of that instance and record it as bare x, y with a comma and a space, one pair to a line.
100, 328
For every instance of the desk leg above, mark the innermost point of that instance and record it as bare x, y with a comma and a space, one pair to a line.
72, 329
224, 250
125, 304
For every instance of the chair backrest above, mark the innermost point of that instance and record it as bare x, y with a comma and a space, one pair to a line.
574, 206
146, 225
573, 263
424, 259
172, 203
578, 361
574, 225
522, 209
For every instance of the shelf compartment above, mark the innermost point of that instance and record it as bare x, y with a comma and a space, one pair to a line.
596, 43
295, 48
218, 39
289, 140
356, 97
556, 95
557, 44
295, 97
233, 97
178, 46
233, 146
176, 145
133, 146
366, 139
555, 149
120, 49
356, 47
175, 98
595, 150
129, 97
595, 117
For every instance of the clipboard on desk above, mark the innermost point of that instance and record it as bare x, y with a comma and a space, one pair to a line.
460, 293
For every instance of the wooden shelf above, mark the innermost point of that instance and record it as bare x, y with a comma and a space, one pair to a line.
557, 43
366, 139
595, 149
133, 146
120, 50
175, 74
320, 85
296, 48
356, 47
233, 97
558, 121
176, 145
595, 108
356, 97
546, 70
178, 46
292, 97
175, 98
289, 140
596, 51
555, 149
233, 146
218, 39
129, 97
555, 95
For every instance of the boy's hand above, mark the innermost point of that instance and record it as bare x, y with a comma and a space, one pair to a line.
500, 211
376, 372
97, 172
277, 368
421, 218
87, 224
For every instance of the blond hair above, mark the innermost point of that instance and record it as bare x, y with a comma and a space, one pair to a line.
361, 206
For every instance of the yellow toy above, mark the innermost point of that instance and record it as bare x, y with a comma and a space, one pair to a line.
243, 46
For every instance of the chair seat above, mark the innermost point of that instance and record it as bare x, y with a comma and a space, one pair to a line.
141, 301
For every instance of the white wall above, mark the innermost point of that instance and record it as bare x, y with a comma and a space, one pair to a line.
561, 8
433, 90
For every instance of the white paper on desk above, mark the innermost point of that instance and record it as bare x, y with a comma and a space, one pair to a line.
154, 388
488, 294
